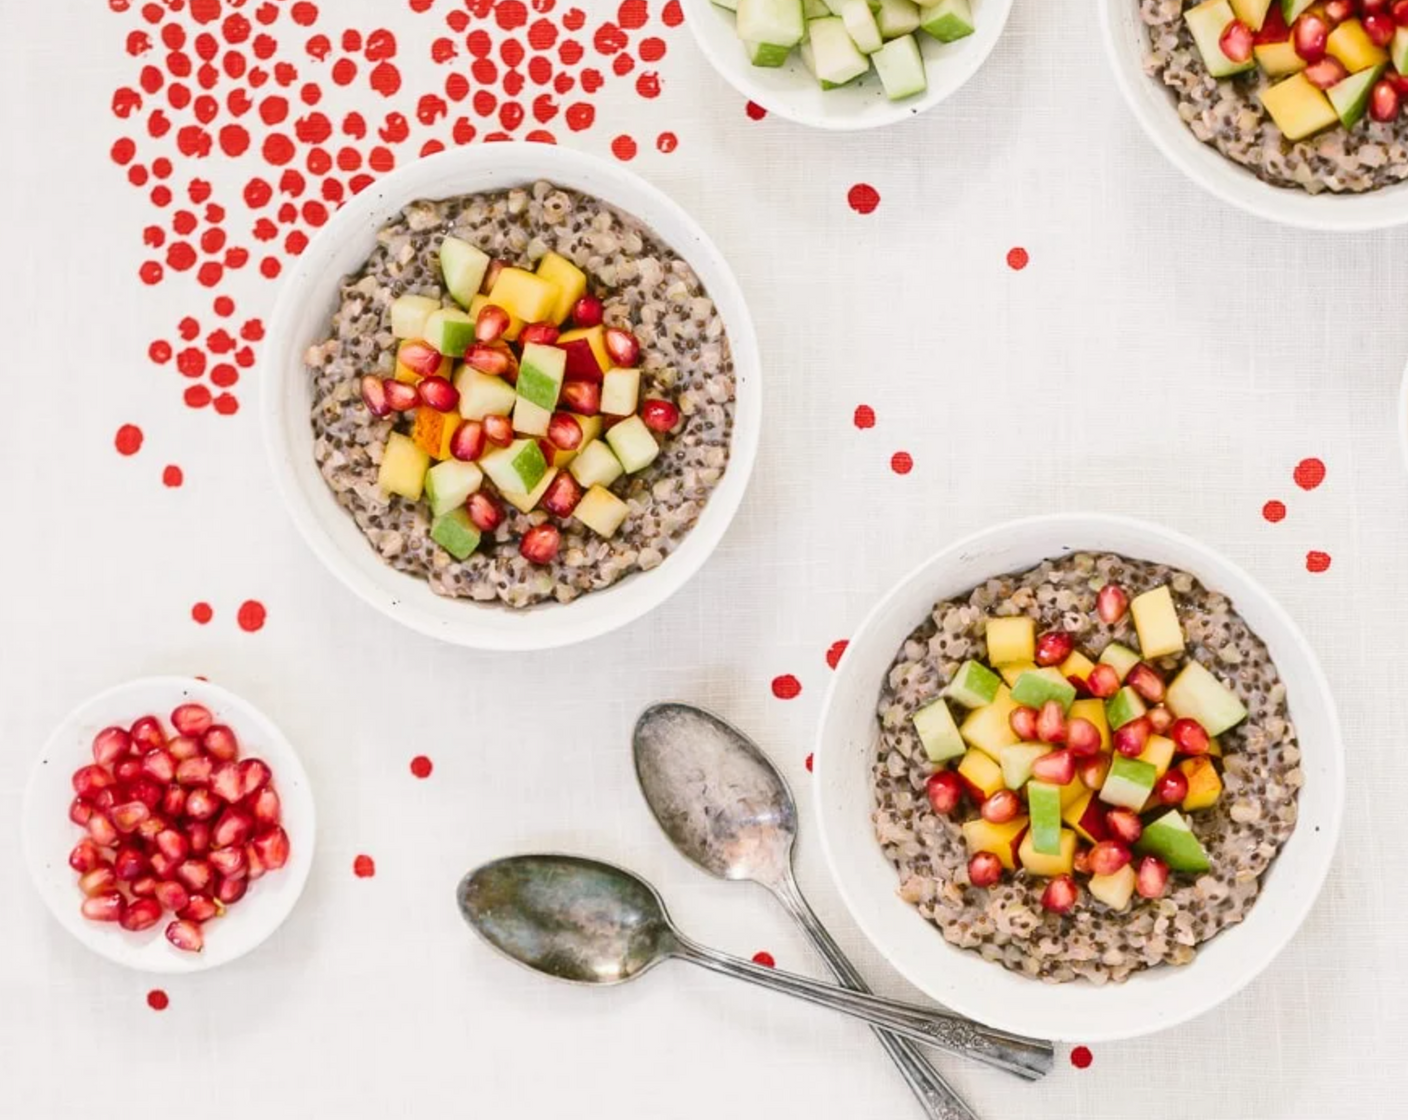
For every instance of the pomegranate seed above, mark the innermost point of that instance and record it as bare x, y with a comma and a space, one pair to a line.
1092, 773
255, 774
110, 744
97, 881
192, 719
103, 907
158, 764
1372, 7
439, 394
1384, 101
485, 512
1055, 767
399, 395
85, 856
152, 827
147, 732
1001, 807
1023, 723
1060, 895
145, 887
200, 908
195, 771
266, 808
1083, 738
489, 359
231, 891
374, 395
587, 311
1326, 72
102, 831
272, 848
80, 812
1189, 736
562, 495
1400, 82
1273, 27
1054, 647
467, 444
659, 416
1103, 681
945, 791
1400, 13
232, 829
564, 432
582, 397
491, 324
623, 347
1380, 29
142, 914
172, 895
186, 936
1151, 877
1309, 36
1110, 603
1160, 719
1145, 680
543, 334
164, 866
1236, 41
230, 862
201, 804
1051, 723
1131, 739
173, 845
129, 865
220, 743
195, 873
1078, 683
1171, 788
540, 544
105, 799
491, 274
1124, 825
1080, 862
88, 780
984, 869
173, 801
420, 357
255, 864
1337, 11
127, 816
226, 783
498, 430
127, 769
198, 834
1108, 856
146, 791
183, 747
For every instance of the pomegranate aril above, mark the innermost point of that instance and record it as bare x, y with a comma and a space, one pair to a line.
582, 397
439, 394
1380, 28
97, 881
489, 359
226, 782
105, 799
230, 891
1337, 11
195, 771
491, 324
1054, 647
146, 791
1124, 825
142, 914
1092, 773
102, 831
543, 334
147, 732
1145, 680
129, 865
1103, 681
399, 395
984, 869
232, 829
172, 895
145, 886
195, 874
945, 791
1060, 895
1325, 73
173, 801
229, 862
192, 719
254, 775
201, 804
1051, 722
1108, 856
623, 347
272, 847
198, 836
255, 864
164, 865
540, 544
80, 812
1080, 862
1022, 720
110, 744
498, 430
467, 444
200, 908
564, 432
1151, 877
1171, 788
220, 743
1189, 737
1399, 11
127, 816
1131, 739
85, 856
1083, 738
158, 764
1056, 767
1384, 102
1110, 603
486, 513
1160, 719
127, 770
1236, 41
1309, 35
183, 747
420, 358
562, 495
152, 827
103, 907
88, 780
1001, 807
186, 936
587, 312
173, 844
659, 416
374, 395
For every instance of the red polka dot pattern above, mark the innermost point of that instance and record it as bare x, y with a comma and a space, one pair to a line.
364, 867
202, 613
809, 763
864, 416
1081, 1057
1317, 562
1309, 473
901, 462
863, 198
421, 766
158, 1000
251, 616
786, 687
1274, 511
1017, 259
833, 655
764, 958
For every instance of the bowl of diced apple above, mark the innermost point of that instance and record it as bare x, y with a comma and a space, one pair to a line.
847, 64
1079, 777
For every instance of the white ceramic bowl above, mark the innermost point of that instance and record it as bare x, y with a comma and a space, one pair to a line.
791, 92
1151, 1000
303, 315
1126, 44
49, 835
1402, 418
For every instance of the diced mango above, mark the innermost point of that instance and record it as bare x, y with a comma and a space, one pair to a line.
1050, 866
1094, 711
1158, 752
999, 839
1156, 622
1298, 108
1012, 673
988, 728
1204, 785
1077, 665
433, 431
515, 324
403, 467
1350, 43
1011, 639
982, 775
570, 280
1087, 817
1279, 59
1252, 12
587, 357
1114, 890
528, 297
1072, 792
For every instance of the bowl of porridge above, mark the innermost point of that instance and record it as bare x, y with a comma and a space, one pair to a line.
511, 396
1079, 777
1292, 111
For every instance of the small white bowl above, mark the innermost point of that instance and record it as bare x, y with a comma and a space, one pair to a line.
303, 317
1150, 1000
791, 92
49, 835
1126, 44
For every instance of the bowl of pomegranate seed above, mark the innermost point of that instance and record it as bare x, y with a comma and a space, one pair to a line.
169, 825
1080, 777
1289, 109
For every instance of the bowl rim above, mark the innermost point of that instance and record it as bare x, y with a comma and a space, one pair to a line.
896, 111
876, 929
1222, 177
402, 597
290, 775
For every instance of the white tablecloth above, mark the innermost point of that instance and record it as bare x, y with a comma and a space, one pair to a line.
1159, 355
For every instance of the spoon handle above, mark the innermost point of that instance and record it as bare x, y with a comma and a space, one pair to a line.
1027, 1058
938, 1098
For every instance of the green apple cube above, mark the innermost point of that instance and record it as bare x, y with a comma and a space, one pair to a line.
1350, 97
1129, 782
1124, 706
482, 394
1036, 686
450, 330
861, 26
450, 483
776, 23
1252, 12
1044, 805
601, 511
767, 54
1172, 840
527, 503
974, 685
727, 5
937, 731
529, 419
1290, 9
409, 313
1119, 658
1017, 763
403, 467
463, 266
517, 468
633, 444
1114, 890
901, 68
1398, 50
811, 9
1206, 23
620, 392
1196, 694
455, 533
896, 18
835, 59
595, 465
948, 20
540, 374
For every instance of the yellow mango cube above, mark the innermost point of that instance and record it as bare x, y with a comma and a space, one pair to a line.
434, 430
1156, 622
523, 295
988, 728
1040, 864
1350, 43
1010, 673
1077, 665
1298, 108
1087, 816
1114, 890
1279, 59
571, 283
515, 324
1072, 792
999, 839
1204, 785
1011, 640
1094, 711
981, 773
403, 467
1158, 752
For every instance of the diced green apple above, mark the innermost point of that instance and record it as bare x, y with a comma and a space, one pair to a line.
1044, 805
1350, 96
403, 467
620, 392
1290, 9
727, 5
463, 266
517, 468
1128, 783
938, 732
1172, 840
973, 685
455, 532
450, 330
811, 9
540, 372
901, 68
1206, 24
1120, 658
835, 59
1036, 686
596, 465
1196, 694
633, 444
776, 23
1252, 12
1114, 890
409, 313
1017, 762
861, 26
1124, 706
767, 54
527, 503
896, 18
601, 511
450, 483
482, 394
947, 20
1398, 50
529, 419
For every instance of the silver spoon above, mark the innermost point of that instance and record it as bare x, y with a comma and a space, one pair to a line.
726, 808
588, 922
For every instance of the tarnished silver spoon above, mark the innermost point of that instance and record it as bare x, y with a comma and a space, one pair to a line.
728, 810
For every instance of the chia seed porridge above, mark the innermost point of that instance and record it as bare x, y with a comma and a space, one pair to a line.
1227, 113
1242, 833
644, 285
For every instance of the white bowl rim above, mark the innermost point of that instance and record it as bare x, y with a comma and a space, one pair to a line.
1383, 208
1263, 952
408, 600
271, 910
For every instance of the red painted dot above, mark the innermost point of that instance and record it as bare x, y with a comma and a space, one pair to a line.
786, 687
833, 655
667, 142
172, 476
128, 440
1017, 259
1316, 561
764, 958
364, 867
202, 613
623, 148
863, 198
158, 1000
651, 50
901, 462
864, 417
755, 111
648, 84
1274, 511
1309, 473
421, 766
673, 14
197, 396
251, 615
159, 352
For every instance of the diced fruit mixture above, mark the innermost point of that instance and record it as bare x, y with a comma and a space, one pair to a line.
1100, 744
177, 825
841, 41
